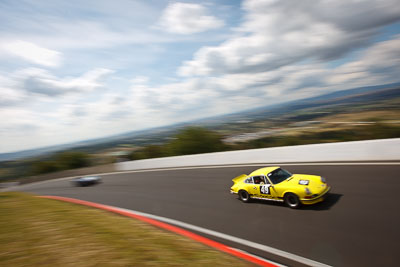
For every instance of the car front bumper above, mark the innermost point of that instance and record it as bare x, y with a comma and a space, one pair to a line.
317, 199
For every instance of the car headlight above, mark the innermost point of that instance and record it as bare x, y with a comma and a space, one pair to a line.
308, 192
323, 180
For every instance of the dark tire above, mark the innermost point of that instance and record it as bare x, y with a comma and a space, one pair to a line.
292, 201
244, 196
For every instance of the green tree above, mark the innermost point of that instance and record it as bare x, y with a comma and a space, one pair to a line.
151, 151
195, 140
41, 167
72, 160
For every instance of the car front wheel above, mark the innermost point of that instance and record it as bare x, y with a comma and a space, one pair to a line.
244, 196
292, 201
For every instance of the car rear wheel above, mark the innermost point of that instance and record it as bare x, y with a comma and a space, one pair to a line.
244, 196
292, 201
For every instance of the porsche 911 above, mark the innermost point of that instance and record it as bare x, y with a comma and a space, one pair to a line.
277, 184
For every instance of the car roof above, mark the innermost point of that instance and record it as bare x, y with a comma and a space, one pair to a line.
264, 171
87, 177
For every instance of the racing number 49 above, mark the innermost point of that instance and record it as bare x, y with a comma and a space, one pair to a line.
264, 189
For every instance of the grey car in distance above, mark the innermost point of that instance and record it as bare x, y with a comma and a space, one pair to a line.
86, 181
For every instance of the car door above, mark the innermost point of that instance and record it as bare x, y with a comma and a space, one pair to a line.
266, 189
270, 190
261, 188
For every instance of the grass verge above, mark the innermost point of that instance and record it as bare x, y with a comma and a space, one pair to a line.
43, 232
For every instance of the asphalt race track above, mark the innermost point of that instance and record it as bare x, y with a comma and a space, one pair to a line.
357, 225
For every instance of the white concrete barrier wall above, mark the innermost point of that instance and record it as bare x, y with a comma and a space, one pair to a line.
9, 184
372, 150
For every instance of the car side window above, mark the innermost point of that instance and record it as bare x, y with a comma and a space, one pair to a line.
249, 180
258, 179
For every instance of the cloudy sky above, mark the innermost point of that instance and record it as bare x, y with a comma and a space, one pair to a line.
76, 70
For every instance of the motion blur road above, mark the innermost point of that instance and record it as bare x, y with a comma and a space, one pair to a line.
357, 225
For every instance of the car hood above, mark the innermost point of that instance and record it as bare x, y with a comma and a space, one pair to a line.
306, 180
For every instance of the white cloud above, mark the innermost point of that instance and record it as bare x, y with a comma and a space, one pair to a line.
206, 96
33, 85
279, 51
187, 18
34, 53
9, 96
41, 82
193, 98
279, 33
378, 65
140, 80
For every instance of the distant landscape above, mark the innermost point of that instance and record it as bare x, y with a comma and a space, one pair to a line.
350, 115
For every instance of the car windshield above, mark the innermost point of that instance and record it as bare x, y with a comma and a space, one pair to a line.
279, 175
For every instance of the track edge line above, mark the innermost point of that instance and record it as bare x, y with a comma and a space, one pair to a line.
174, 229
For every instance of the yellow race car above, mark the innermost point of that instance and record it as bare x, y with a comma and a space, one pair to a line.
277, 184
